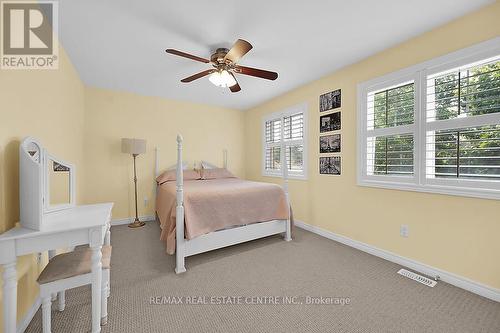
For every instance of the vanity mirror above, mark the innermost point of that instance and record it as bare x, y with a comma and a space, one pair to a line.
46, 184
59, 184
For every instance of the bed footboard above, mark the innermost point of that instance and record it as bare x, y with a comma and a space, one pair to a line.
219, 239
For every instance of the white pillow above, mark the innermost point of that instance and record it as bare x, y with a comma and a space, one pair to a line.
206, 165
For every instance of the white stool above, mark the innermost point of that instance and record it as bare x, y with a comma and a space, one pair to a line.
71, 270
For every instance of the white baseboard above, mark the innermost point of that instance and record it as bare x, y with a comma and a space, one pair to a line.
146, 218
23, 324
453, 279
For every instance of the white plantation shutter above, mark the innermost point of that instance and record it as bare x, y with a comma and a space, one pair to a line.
273, 130
463, 136
465, 153
273, 144
389, 142
434, 127
273, 139
293, 136
390, 155
294, 127
287, 130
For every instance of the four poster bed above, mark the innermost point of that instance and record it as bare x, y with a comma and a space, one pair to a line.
216, 209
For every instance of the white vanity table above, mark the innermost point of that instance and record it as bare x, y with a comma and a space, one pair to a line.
46, 227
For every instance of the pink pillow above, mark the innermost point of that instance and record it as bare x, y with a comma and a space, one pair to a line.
171, 175
216, 173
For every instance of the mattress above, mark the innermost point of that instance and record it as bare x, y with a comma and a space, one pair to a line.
216, 204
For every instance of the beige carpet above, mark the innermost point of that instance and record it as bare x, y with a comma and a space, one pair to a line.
380, 300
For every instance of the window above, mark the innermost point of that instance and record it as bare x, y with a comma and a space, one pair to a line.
467, 153
434, 127
390, 115
390, 155
285, 130
464, 94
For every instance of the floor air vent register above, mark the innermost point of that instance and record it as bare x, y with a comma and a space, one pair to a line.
416, 277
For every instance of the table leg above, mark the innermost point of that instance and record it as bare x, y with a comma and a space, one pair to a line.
107, 238
61, 300
52, 254
10, 297
46, 315
107, 241
96, 288
104, 297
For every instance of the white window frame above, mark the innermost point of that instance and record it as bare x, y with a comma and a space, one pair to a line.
300, 108
418, 73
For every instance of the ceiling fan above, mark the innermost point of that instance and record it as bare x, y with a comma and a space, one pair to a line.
225, 63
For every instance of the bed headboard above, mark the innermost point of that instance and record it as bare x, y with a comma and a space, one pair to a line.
196, 164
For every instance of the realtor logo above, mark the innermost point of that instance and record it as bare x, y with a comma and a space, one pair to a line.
29, 35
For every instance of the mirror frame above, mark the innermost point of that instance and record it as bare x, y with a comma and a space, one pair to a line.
47, 207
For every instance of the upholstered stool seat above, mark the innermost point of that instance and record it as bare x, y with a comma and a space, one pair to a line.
70, 270
74, 263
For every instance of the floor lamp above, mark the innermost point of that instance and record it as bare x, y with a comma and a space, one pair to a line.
134, 147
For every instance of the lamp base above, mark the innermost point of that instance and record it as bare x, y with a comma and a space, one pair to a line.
136, 224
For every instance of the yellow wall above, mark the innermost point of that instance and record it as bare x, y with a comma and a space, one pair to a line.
84, 126
112, 115
49, 105
456, 234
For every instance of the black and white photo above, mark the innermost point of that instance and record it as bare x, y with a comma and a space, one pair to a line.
329, 165
330, 100
329, 143
329, 122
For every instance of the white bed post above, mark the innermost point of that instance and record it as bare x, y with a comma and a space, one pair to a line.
224, 157
284, 168
179, 221
157, 173
157, 163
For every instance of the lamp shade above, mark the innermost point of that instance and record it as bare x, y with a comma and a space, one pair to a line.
133, 146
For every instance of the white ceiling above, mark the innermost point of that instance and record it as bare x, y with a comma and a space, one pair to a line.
120, 44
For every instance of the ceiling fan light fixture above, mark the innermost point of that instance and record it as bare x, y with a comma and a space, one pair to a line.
225, 66
222, 79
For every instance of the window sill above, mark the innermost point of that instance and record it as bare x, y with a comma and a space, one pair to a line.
436, 189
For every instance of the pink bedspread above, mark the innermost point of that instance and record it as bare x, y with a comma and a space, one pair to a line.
216, 204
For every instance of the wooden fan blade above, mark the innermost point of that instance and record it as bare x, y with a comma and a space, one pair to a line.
256, 72
199, 75
239, 49
187, 55
236, 87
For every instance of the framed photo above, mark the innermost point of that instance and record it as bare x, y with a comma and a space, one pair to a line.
329, 143
329, 100
329, 165
329, 122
